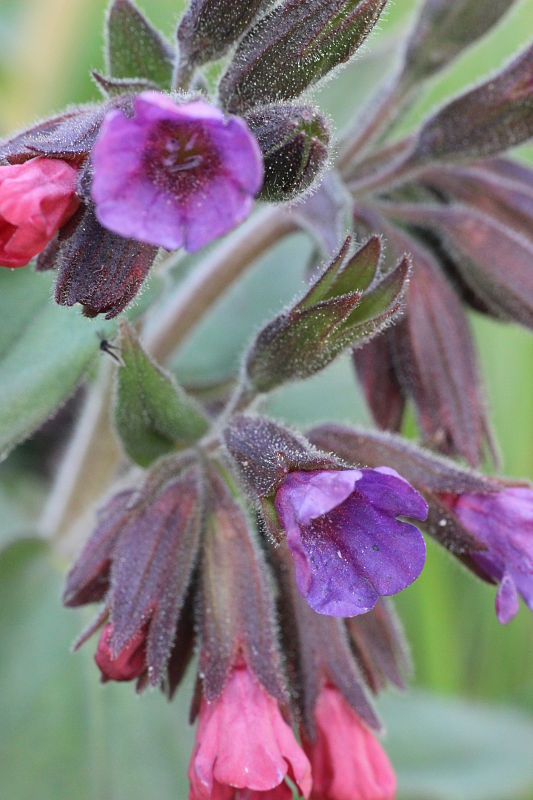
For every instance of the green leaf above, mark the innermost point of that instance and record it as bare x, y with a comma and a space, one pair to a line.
134, 48
44, 352
448, 749
153, 415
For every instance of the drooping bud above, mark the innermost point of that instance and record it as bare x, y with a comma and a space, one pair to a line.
128, 664
492, 260
377, 373
134, 48
209, 27
99, 269
444, 29
143, 552
293, 47
435, 360
153, 415
346, 305
236, 609
294, 141
484, 121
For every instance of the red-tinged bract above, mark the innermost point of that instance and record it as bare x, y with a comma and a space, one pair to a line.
36, 199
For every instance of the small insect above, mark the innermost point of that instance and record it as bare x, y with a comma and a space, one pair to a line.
107, 347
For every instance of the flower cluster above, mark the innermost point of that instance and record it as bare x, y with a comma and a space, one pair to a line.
264, 557
154, 171
177, 565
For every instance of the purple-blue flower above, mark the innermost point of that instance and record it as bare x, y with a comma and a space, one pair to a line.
174, 174
348, 546
504, 523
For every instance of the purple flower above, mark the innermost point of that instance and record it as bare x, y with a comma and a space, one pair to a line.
174, 175
504, 523
348, 546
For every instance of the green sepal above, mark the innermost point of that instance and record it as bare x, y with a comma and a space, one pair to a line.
134, 48
378, 307
153, 415
343, 277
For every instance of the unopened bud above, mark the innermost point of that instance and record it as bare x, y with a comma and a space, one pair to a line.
209, 27
294, 47
294, 141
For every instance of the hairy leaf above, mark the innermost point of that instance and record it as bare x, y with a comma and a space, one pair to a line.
153, 415
135, 49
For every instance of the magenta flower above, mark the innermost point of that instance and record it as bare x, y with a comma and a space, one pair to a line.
347, 761
243, 743
174, 175
348, 546
504, 523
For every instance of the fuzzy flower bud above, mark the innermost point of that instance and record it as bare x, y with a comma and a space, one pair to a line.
36, 199
128, 664
294, 141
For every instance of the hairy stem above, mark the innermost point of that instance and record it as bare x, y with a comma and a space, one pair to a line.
207, 282
93, 454
379, 116
403, 165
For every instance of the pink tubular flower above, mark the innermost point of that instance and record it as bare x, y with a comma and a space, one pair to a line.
174, 175
348, 762
503, 521
36, 199
130, 663
243, 743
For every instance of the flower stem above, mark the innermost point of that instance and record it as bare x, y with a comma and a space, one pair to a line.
385, 110
195, 296
93, 454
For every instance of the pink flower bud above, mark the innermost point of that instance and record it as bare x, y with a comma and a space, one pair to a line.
36, 199
128, 664
348, 762
243, 743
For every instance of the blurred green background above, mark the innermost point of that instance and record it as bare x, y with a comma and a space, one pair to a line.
64, 736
